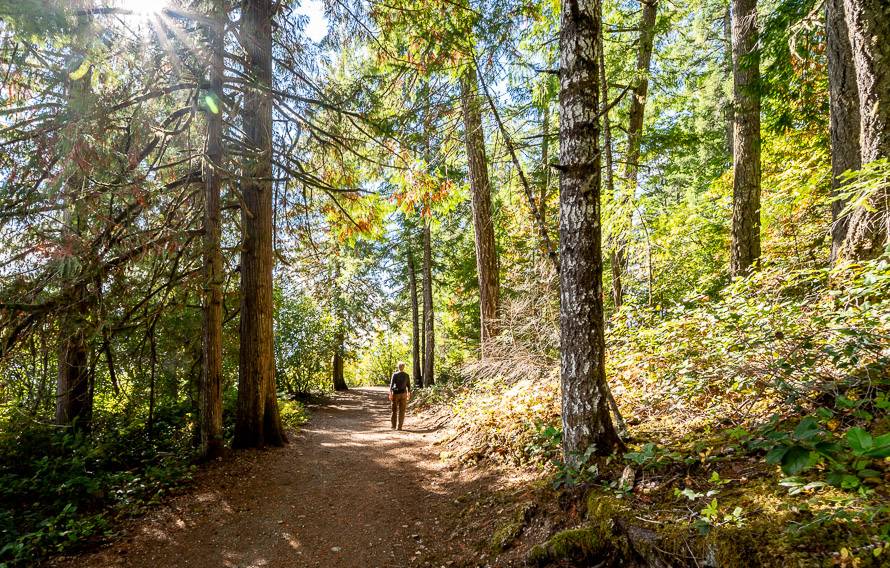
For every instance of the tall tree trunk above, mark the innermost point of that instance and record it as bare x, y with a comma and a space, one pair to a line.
869, 25
153, 376
640, 92
429, 336
210, 396
72, 387
636, 115
745, 251
585, 412
537, 214
616, 260
483, 225
339, 378
422, 327
415, 322
843, 113
617, 292
545, 159
258, 421
729, 114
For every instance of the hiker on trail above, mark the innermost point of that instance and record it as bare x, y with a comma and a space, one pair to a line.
399, 393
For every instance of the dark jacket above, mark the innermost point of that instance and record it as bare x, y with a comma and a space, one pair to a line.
400, 382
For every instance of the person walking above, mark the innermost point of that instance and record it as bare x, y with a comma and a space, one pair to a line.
399, 393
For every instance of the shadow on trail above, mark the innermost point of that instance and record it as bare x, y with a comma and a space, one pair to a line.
348, 491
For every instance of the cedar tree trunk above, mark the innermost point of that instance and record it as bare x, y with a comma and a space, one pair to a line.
210, 395
258, 422
745, 246
483, 225
429, 336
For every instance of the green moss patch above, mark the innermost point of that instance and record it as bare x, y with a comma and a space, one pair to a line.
577, 545
507, 533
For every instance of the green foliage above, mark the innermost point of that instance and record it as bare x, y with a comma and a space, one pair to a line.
60, 491
852, 459
547, 443
862, 185
582, 470
378, 361
711, 516
650, 456
777, 336
304, 344
293, 414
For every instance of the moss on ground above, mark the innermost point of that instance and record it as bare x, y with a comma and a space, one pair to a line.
507, 533
759, 538
584, 544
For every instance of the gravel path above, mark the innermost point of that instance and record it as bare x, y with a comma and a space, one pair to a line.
347, 491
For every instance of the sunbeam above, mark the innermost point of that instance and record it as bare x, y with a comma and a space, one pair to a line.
144, 7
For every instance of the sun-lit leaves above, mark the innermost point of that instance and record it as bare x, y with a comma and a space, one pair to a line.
419, 191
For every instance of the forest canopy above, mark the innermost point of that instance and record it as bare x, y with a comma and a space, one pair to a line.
629, 233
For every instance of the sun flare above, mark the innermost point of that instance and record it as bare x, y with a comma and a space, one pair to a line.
144, 7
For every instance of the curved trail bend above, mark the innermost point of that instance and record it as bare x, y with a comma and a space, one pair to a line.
347, 491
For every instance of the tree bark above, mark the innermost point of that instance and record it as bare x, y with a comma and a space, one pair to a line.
869, 29
153, 376
585, 412
537, 213
545, 161
843, 113
745, 252
258, 422
339, 378
616, 260
73, 399
415, 321
210, 398
429, 336
72, 387
729, 114
640, 92
636, 115
483, 224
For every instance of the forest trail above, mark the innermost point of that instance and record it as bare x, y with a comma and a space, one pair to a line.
337, 495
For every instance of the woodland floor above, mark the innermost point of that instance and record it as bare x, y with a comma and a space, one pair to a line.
347, 491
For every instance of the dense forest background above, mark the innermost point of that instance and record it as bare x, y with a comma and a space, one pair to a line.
650, 229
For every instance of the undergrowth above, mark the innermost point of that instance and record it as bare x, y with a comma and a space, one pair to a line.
62, 492
767, 404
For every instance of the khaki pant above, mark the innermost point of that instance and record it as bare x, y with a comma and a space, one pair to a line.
399, 404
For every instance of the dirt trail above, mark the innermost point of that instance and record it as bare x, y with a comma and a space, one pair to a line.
347, 491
